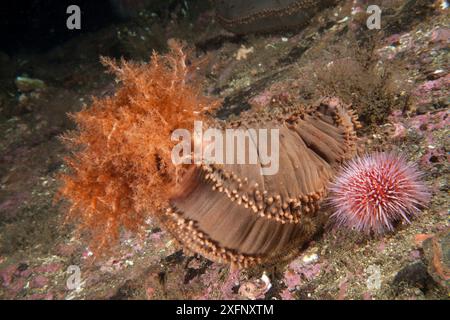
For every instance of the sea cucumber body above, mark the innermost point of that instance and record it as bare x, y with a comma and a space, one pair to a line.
232, 213
242, 17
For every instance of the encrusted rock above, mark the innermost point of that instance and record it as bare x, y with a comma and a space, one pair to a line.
414, 274
25, 84
437, 253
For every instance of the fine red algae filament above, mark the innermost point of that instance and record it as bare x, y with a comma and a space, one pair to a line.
375, 191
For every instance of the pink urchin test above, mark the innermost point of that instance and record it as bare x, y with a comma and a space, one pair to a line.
375, 191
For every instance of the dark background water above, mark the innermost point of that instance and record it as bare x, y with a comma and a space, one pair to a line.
37, 25
30, 25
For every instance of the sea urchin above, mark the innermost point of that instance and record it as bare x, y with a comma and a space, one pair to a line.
375, 191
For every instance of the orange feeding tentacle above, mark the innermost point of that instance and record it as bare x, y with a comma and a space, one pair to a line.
121, 167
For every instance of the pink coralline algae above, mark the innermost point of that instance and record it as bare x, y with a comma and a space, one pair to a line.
255, 289
430, 122
399, 131
7, 274
374, 192
218, 284
39, 282
432, 89
440, 35
298, 273
48, 268
428, 126
19, 279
